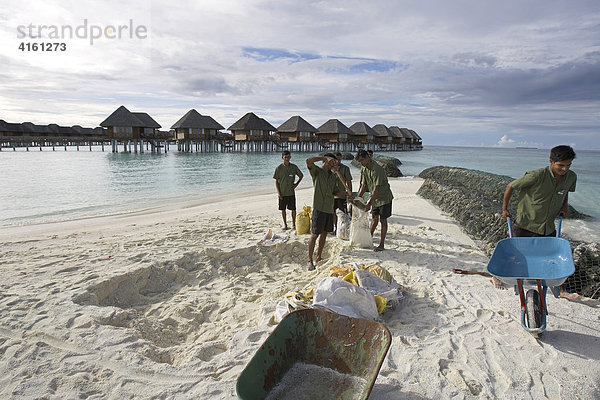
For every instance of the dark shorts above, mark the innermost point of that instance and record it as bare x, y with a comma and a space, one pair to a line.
289, 202
321, 222
384, 211
340, 204
520, 232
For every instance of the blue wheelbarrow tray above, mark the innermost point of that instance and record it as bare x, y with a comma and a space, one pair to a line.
541, 261
530, 258
316, 354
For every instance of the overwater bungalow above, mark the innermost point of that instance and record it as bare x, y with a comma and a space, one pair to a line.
296, 129
133, 128
417, 140
334, 135
362, 134
124, 124
408, 138
297, 134
196, 131
10, 129
195, 126
252, 133
397, 142
383, 135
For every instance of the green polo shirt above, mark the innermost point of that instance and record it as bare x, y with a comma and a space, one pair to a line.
324, 184
286, 176
347, 175
374, 175
541, 198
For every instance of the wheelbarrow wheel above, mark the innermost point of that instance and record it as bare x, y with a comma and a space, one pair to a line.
534, 309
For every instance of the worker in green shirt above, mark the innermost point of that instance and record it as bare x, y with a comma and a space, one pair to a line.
285, 182
324, 182
339, 202
543, 196
375, 179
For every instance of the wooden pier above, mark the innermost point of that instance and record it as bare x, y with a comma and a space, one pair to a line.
137, 132
38, 143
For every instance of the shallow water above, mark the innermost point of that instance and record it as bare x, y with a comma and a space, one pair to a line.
60, 185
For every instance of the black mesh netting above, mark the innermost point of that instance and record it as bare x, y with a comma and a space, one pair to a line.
474, 199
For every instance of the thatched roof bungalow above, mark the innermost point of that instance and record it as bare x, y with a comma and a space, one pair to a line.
29, 129
361, 133
38, 130
296, 129
251, 127
83, 132
383, 134
417, 139
333, 131
195, 126
123, 124
398, 138
10, 129
408, 137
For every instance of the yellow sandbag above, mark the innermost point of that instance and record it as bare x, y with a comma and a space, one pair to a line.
378, 271
340, 272
309, 294
303, 220
351, 277
381, 302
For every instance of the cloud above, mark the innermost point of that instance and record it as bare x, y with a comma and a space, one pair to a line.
505, 141
459, 72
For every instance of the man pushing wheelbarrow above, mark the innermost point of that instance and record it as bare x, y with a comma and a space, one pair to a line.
543, 196
535, 254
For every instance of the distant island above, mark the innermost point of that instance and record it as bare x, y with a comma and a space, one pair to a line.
528, 148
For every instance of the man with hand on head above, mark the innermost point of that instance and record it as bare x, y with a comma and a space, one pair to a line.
339, 202
325, 186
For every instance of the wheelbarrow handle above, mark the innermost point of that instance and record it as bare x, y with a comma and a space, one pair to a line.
558, 226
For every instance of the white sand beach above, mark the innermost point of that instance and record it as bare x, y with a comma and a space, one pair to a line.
173, 302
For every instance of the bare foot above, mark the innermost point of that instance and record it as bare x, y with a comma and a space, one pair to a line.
318, 258
497, 283
568, 296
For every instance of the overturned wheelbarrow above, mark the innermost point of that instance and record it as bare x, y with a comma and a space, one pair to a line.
316, 354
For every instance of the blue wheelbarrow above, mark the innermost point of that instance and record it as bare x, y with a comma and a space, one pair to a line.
544, 262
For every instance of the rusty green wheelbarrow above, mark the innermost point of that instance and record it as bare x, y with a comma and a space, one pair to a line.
316, 354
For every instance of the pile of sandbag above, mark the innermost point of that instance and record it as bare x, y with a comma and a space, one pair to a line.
364, 291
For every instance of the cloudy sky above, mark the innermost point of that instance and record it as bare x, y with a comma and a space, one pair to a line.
478, 73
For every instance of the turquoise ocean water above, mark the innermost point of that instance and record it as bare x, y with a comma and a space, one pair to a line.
41, 186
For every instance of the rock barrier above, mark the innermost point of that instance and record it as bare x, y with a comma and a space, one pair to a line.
474, 198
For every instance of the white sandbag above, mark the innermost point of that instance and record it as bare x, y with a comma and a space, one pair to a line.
282, 309
343, 225
360, 234
345, 298
374, 284
271, 238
